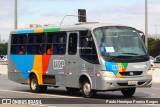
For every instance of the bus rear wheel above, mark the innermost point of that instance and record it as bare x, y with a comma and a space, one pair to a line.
34, 87
87, 91
128, 92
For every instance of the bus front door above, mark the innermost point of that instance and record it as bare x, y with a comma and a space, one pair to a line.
72, 60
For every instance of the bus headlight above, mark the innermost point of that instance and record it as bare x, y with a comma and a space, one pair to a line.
108, 74
150, 72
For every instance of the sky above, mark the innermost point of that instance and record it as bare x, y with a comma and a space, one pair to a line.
126, 12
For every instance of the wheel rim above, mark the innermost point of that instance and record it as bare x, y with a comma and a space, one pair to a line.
87, 88
34, 84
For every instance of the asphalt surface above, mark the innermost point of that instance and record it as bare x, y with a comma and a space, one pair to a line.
58, 97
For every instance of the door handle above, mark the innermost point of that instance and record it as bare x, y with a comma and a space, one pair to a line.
69, 62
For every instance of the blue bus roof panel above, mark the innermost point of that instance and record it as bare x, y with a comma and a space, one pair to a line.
25, 31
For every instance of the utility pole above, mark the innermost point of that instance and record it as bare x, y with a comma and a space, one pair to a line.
156, 29
146, 23
15, 14
0, 38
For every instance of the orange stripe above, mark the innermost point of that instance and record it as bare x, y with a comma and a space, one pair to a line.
119, 70
37, 68
38, 30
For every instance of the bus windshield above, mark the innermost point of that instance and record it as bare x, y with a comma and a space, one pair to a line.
120, 43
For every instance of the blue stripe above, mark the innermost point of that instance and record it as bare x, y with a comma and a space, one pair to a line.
23, 63
25, 31
109, 67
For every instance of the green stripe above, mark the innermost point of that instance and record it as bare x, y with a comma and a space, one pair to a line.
51, 29
125, 65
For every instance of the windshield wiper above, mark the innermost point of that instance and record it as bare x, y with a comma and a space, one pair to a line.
123, 55
115, 57
137, 56
132, 54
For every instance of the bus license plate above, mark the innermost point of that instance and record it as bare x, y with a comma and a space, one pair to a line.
132, 82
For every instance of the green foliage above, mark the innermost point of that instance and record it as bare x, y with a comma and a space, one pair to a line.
3, 48
153, 47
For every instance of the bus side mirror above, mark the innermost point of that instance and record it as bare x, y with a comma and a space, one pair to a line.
143, 37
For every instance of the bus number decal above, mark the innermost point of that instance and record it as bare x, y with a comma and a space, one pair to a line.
58, 64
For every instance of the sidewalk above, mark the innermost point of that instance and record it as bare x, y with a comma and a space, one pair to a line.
3, 70
156, 75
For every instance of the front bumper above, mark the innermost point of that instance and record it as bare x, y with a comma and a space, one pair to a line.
105, 83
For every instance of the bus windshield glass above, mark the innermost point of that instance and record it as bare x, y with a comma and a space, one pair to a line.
120, 43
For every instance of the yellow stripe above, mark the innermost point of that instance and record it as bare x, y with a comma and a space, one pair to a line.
37, 68
119, 75
119, 70
38, 30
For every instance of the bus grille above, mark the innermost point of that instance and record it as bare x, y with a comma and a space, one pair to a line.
131, 73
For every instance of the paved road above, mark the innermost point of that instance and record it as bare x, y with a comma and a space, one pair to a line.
9, 89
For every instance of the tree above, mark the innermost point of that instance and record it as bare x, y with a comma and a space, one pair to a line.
3, 48
153, 47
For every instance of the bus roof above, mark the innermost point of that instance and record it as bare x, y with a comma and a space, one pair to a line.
79, 26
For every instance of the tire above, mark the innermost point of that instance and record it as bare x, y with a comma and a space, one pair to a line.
72, 90
128, 92
34, 87
87, 91
43, 88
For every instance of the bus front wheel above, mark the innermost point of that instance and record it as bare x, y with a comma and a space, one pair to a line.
34, 87
128, 92
87, 91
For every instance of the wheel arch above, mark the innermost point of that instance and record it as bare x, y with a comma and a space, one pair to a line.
84, 77
37, 76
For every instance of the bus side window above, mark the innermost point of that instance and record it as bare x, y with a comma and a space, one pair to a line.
61, 43
72, 45
87, 47
57, 40
36, 43
18, 43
